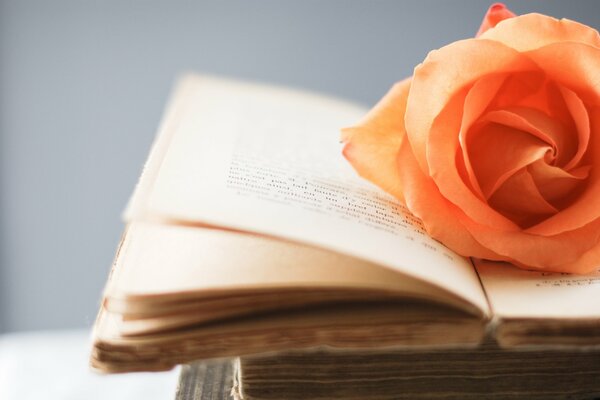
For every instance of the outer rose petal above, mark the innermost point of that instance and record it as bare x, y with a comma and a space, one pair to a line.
424, 199
587, 263
532, 31
542, 252
496, 13
372, 146
443, 74
576, 66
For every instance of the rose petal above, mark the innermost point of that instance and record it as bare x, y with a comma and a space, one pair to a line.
497, 151
448, 224
558, 186
534, 90
532, 31
434, 113
444, 73
537, 251
540, 125
448, 174
496, 13
577, 67
536, 247
519, 199
477, 100
552, 102
520, 88
439, 216
372, 146
582, 123
585, 264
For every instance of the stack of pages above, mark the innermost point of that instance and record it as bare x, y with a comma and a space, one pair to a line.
248, 233
485, 372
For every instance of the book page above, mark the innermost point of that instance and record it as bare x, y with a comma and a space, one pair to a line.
268, 160
517, 293
202, 268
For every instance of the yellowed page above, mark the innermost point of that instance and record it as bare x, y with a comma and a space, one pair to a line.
157, 260
388, 326
268, 160
516, 293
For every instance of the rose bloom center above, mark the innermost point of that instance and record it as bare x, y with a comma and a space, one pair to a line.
525, 153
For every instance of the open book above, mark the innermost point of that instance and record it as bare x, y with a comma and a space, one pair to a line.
249, 233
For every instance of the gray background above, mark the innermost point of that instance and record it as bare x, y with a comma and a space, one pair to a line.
83, 85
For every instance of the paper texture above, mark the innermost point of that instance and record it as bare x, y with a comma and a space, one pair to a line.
160, 266
268, 160
516, 293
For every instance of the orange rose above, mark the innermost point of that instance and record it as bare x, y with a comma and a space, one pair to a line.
495, 143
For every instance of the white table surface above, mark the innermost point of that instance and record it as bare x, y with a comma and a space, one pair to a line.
54, 366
